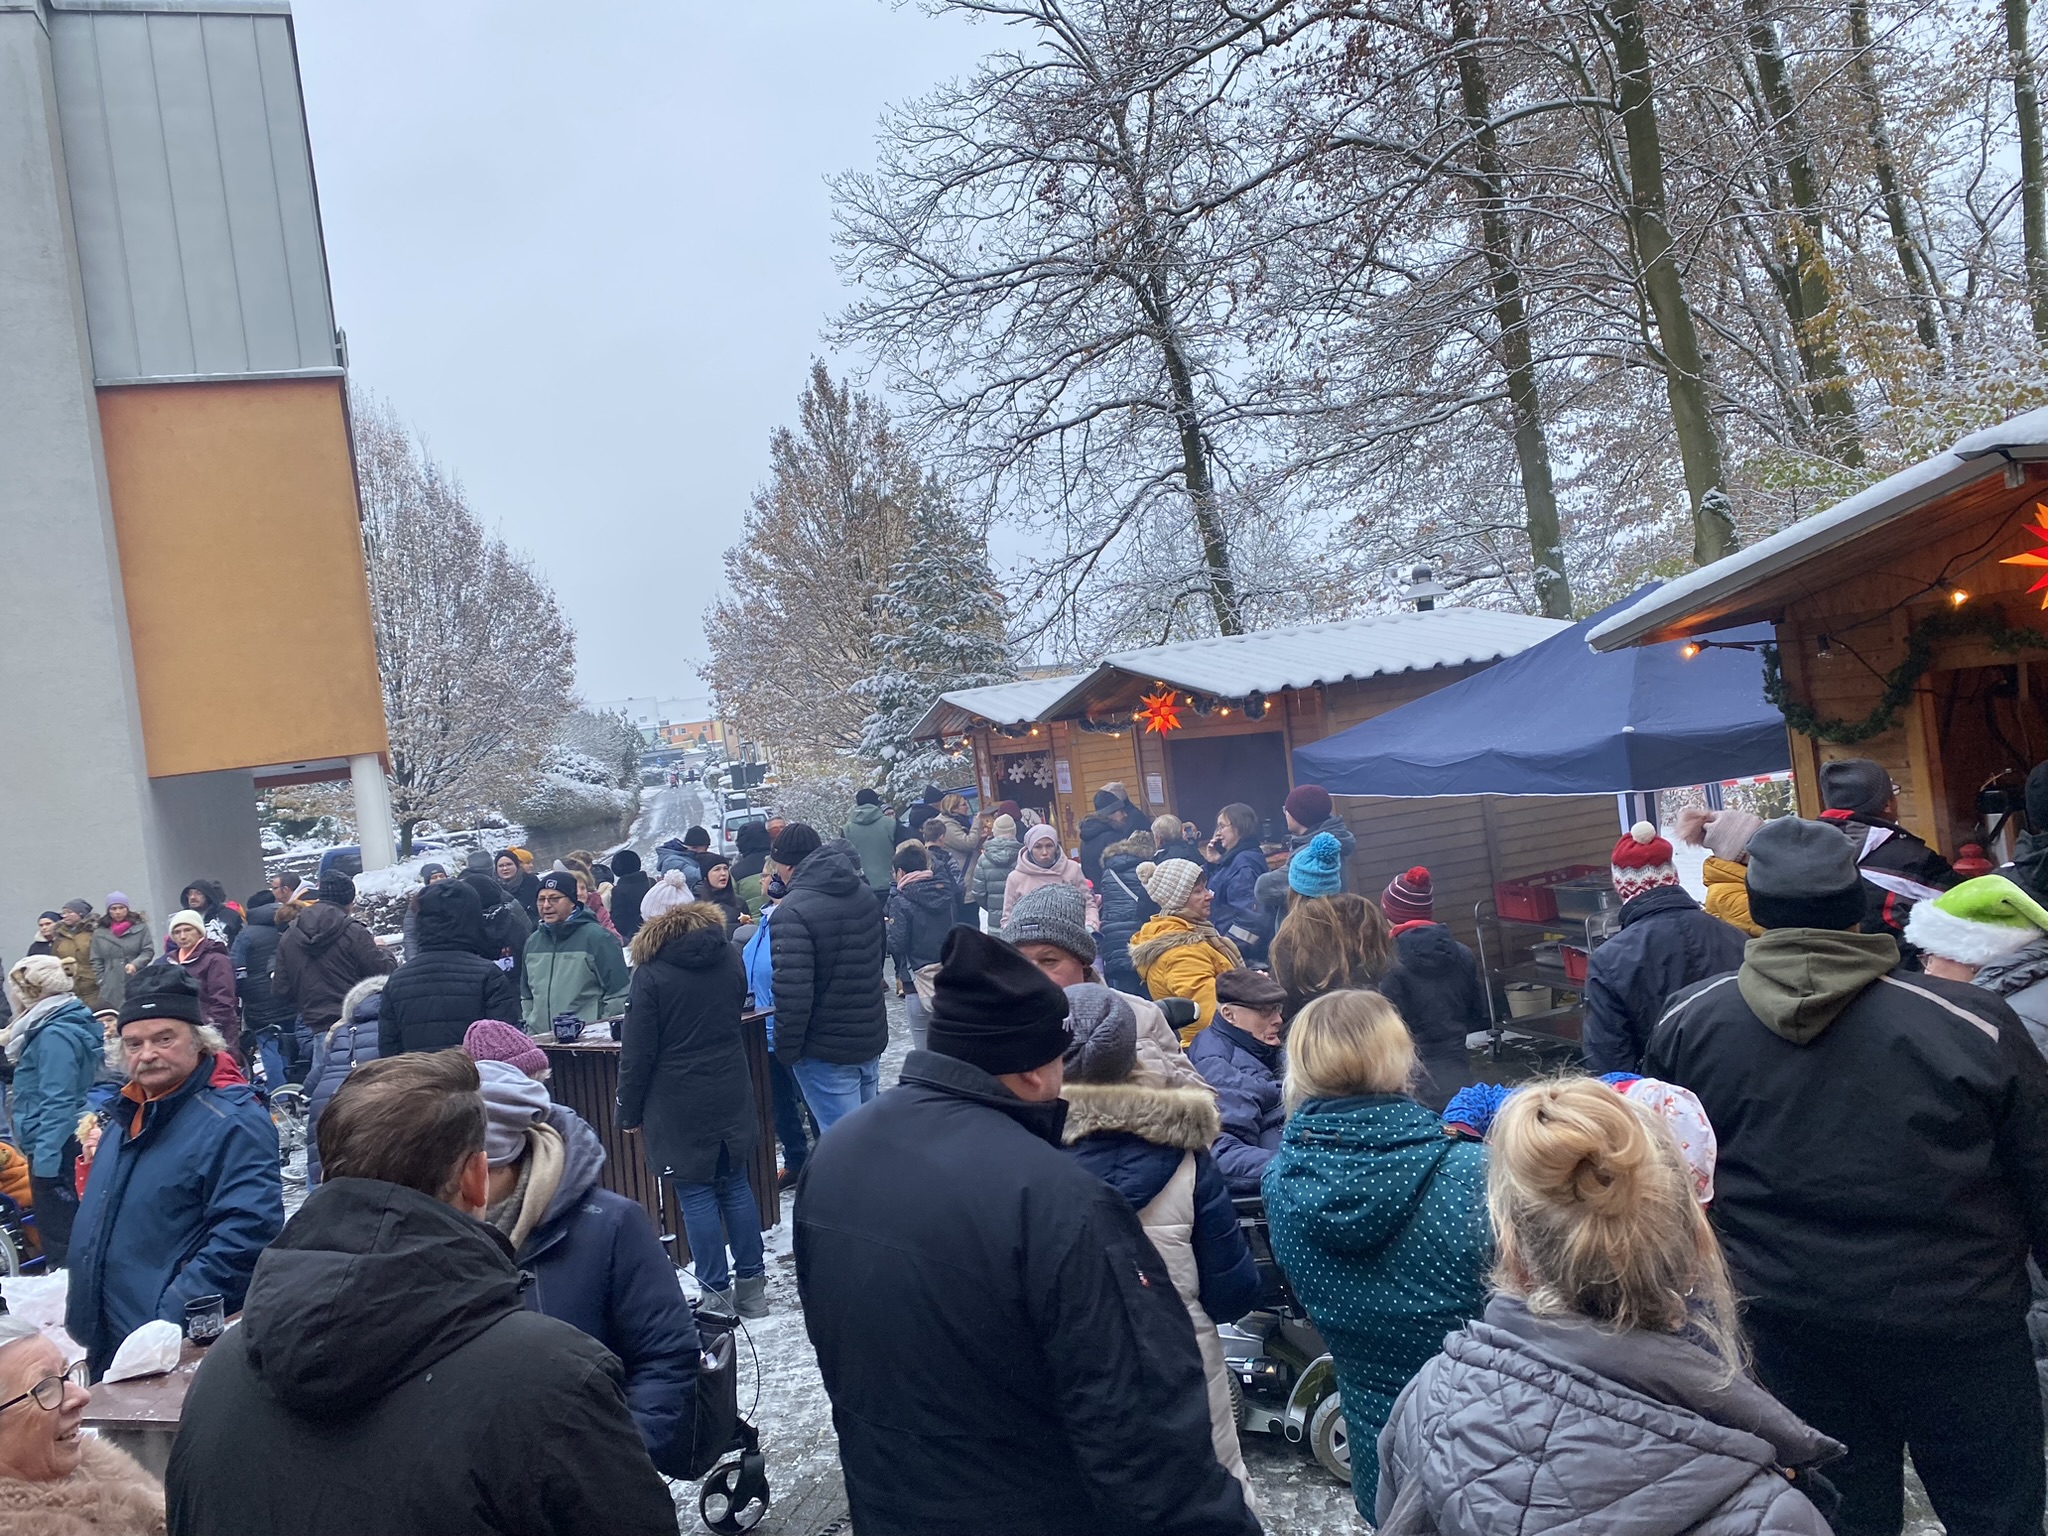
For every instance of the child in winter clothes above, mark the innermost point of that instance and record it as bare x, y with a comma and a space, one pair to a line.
1147, 1137
920, 915
992, 870
1045, 862
1179, 953
1725, 835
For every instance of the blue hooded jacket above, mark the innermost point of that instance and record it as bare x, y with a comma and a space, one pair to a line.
56, 1067
1379, 1221
1246, 1077
182, 1208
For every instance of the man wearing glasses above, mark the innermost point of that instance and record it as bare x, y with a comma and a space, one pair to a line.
184, 1192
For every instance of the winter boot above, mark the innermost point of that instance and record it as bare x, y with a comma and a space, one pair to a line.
718, 1303
753, 1295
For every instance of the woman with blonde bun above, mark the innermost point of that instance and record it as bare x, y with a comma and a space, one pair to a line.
1604, 1389
1377, 1216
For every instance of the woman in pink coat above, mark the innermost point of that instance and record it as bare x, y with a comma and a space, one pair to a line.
1045, 862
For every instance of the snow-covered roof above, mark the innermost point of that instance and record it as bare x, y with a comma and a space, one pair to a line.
998, 704
1707, 598
1372, 645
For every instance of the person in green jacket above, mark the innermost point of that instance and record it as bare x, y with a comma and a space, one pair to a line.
1377, 1217
874, 834
571, 965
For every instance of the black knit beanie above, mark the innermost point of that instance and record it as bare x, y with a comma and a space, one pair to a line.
994, 1009
161, 991
795, 843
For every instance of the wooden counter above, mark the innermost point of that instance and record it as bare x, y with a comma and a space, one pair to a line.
141, 1416
585, 1078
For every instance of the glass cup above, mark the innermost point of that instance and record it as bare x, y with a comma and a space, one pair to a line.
205, 1319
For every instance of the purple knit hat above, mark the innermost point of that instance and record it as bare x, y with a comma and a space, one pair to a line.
492, 1040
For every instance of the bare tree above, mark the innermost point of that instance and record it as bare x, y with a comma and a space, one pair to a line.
476, 659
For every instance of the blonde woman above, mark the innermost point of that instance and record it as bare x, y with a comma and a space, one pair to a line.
1377, 1217
1604, 1390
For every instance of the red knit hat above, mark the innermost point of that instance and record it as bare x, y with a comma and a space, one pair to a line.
1309, 805
1409, 898
1641, 862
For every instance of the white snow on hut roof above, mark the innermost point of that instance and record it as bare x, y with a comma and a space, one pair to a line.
998, 704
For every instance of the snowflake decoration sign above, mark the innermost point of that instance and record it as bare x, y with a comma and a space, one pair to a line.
2038, 555
1161, 713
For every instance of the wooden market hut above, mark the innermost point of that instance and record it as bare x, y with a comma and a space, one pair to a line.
1243, 703
1906, 630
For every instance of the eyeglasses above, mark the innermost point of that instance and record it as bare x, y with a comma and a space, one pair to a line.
49, 1392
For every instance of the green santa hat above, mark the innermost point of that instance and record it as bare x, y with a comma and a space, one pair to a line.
1979, 921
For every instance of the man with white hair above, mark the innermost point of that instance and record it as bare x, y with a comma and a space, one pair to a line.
184, 1192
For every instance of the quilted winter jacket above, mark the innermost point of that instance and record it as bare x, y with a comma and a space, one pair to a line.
577, 968
337, 1051
992, 872
1379, 1221
827, 959
1533, 1425
447, 984
1248, 1097
1666, 944
2022, 980
920, 917
1125, 909
1728, 894
1175, 958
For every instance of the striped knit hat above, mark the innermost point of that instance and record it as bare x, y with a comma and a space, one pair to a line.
1641, 862
1409, 897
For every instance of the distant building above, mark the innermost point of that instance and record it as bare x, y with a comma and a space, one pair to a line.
188, 609
673, 723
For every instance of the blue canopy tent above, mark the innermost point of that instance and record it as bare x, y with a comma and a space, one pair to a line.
1560, 719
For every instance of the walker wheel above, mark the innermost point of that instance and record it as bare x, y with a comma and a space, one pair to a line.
726, 1505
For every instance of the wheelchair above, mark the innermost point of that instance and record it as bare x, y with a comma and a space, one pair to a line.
1282, 1379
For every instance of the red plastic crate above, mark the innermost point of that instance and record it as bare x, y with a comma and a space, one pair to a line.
1529, 899
1576, 961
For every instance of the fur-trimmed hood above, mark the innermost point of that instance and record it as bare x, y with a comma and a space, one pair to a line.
357, 995
1169, 930
1185, 1118
109, 1495
667, 926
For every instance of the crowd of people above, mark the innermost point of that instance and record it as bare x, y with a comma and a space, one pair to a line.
1774, 1239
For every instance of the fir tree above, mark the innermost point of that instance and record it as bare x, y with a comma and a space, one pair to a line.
939, 625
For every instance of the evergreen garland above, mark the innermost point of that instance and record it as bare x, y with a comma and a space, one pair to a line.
1900, 682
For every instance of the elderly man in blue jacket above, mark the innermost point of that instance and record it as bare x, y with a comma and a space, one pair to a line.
185, 1192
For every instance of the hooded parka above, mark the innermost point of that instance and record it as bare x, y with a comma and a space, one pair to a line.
388, 1376
682, 1061
1541, 1425
1006, 1353
1178, 958
432, 999
56, 1049
872, 831
1379, 1220
324, 954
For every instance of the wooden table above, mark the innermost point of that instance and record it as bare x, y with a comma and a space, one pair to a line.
141, 1416
585, 1078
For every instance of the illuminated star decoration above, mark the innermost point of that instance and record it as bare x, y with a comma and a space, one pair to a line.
2037, 556
1162, 713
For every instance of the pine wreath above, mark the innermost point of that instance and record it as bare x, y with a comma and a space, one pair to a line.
1900, 682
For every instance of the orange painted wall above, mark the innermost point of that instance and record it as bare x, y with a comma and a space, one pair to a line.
241, 559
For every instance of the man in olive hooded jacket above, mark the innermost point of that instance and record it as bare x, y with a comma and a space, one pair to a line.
1882, 1177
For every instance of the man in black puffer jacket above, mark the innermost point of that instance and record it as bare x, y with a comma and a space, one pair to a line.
830, 1019
1667, 942
449, 985
1004, 1348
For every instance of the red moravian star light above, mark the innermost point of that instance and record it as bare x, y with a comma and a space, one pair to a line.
1162, 712
2038, 555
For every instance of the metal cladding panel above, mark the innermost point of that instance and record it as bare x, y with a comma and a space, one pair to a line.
192, 192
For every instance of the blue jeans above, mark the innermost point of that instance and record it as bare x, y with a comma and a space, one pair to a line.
712, 1213
835, 1090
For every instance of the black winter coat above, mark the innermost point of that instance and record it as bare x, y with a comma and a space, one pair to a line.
628, 891
387, 1376
324, 954
682, 1061
1889, 1174
1125, 909
920, 916
1898, 854
828, 962
255, 959
434, 997
1436, 988
1005, 1351
506, 925
1097, 833
1666, 944
525, 890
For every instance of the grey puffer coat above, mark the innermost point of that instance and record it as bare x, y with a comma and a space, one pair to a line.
1533, 1425
2022, 980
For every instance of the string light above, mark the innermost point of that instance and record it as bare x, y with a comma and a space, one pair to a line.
1958, 597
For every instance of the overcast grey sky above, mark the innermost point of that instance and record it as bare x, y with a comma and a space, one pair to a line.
586, 250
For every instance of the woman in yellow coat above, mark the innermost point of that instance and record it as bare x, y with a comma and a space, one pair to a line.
1179, 953
1725, 835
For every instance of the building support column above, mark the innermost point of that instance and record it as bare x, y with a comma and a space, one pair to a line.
373, 810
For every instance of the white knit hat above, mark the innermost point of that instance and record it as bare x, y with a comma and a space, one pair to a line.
671, 890
1977, 922
38, 977
1171, 883
186, 918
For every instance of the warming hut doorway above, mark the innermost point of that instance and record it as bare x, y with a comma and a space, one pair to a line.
1210, 772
